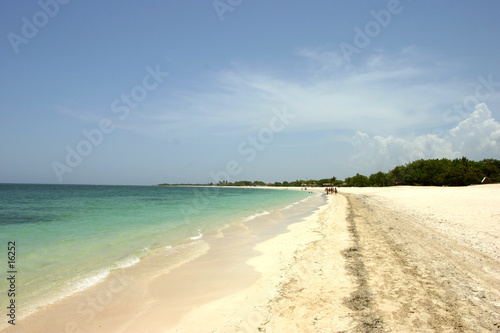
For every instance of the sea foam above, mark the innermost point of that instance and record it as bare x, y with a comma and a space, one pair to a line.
251, 217
199, 236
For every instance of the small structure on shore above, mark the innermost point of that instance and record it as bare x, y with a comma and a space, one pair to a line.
486, 180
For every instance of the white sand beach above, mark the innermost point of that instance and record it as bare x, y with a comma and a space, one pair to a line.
396, 259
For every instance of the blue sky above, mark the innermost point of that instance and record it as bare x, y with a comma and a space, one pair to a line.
145, 92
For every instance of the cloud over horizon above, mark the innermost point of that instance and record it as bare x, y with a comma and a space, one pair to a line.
193, 88
322, 92
394, 104
476, 137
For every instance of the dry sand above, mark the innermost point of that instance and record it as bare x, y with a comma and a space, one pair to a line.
429, 257
399, 259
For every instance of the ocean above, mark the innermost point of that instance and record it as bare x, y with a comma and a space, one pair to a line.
70, 237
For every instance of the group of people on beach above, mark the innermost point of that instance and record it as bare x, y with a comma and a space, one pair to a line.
331, 190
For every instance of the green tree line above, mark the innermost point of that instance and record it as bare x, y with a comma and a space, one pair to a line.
433, 172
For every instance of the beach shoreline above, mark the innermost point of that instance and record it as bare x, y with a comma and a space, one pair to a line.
126, 293
367, 259
373, 259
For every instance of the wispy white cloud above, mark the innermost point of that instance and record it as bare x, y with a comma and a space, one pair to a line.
323, 60
388, 94
393, 102
82, 115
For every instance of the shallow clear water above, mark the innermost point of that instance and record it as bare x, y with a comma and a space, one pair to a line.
69, 237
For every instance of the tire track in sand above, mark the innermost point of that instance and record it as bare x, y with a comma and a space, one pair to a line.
416, 278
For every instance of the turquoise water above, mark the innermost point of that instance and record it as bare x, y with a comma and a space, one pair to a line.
69, 237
